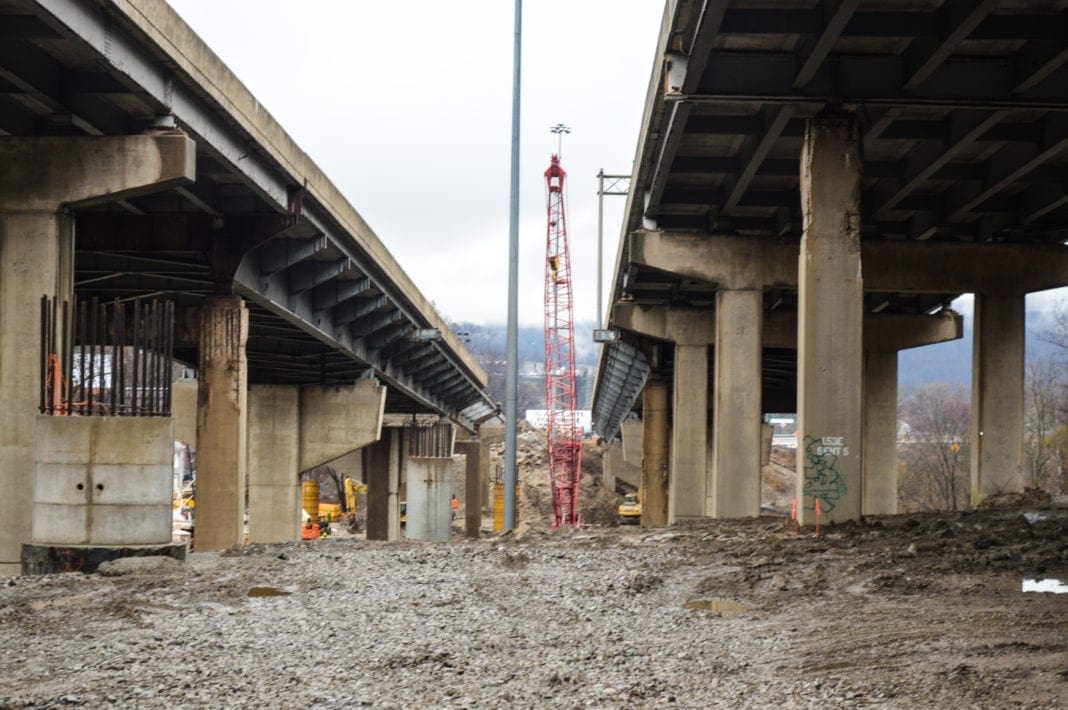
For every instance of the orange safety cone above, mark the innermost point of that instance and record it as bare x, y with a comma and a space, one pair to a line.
793, 517
819, 512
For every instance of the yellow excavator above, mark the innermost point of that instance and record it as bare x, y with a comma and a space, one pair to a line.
630, 510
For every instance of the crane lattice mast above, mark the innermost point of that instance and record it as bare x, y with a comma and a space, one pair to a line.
564, 434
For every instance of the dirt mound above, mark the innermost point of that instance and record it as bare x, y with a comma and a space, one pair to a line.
1030, 496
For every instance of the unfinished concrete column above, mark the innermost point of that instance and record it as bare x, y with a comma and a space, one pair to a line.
737, 388
274, 494
429, 499
655, 451
222, 424
880, 434
39, 179
472, 451
383, 484
688, 484
830, 322
997, 396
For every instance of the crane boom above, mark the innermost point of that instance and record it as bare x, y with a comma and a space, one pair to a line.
564, 435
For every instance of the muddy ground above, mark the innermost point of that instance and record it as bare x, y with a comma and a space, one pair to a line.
904, 611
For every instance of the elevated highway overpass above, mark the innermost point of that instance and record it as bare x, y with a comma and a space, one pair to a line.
133, 163
814, 184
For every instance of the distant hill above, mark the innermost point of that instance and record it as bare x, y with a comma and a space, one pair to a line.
952, 361
944, 362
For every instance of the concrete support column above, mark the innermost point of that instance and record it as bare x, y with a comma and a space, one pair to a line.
429, 499
222, 408
737, 383
29, 268
39, 179
880, 434
688, 486
274, 494
830, 322
472, 451
383, 485
997, 396
655, 453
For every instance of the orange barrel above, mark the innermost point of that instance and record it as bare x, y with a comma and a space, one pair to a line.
310, 491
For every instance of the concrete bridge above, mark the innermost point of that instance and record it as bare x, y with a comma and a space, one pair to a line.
134, 163
813, 185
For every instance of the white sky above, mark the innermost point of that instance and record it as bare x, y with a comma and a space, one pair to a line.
407, 108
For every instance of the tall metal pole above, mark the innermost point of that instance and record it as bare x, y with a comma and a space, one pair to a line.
511, 477
600, 243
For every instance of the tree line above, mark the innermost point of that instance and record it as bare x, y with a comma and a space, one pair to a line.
934, 449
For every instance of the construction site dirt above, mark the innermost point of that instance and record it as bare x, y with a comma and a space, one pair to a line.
903, 611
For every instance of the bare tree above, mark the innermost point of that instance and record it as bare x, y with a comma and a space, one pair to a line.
934, 452
1043, 402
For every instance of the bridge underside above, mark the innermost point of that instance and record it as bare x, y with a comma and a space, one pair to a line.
135, 167
814, 185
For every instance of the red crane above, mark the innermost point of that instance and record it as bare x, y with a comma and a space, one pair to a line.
564, 434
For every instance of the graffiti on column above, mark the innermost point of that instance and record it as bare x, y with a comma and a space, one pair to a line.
822, 478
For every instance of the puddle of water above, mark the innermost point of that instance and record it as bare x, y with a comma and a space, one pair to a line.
716, 606
1052, 586
268, 592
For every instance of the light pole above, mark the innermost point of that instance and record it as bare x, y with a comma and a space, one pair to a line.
511, 478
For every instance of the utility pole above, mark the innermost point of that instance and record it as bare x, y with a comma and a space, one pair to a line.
511, 478
617, 185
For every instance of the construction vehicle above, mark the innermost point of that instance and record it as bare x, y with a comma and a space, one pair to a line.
630, 510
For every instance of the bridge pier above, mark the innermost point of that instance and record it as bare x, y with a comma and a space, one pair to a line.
40, 180
656, 462
222, 424
274, 494
880, 434
383, 461
737, 388
688, 481
997, 457
472, 487
830, 323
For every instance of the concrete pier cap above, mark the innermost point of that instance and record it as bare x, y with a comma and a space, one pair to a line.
41, 180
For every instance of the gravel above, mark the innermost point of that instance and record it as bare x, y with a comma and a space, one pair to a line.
571, 619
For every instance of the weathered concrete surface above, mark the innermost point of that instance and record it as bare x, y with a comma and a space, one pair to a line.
38, 178
656, 454
830, 323
618, 469
883, 332
880, 434
222, 409
184, 411
103, 481
913, 267
631, 433
473, 475
429, 499
737, 386
335, 420
383, 484
274, 494
44, 172
997, 463
688, 488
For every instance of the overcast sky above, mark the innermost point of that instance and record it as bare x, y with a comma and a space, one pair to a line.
407, 108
